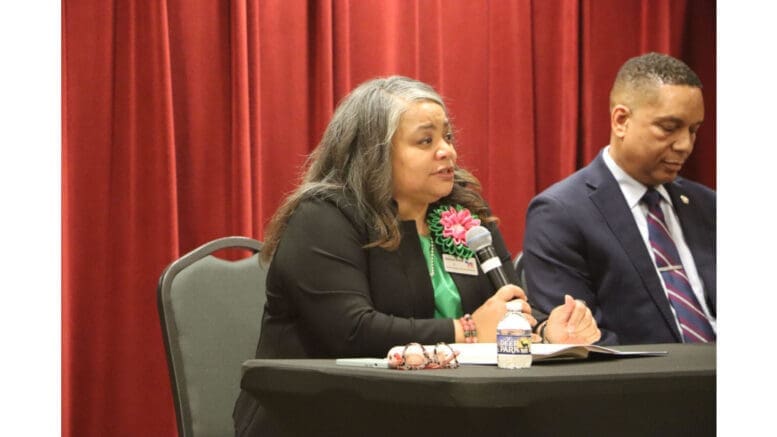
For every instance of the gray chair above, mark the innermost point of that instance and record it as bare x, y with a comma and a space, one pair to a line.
211, 310
519, 270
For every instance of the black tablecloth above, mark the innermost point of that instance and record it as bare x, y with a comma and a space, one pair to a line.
666, 395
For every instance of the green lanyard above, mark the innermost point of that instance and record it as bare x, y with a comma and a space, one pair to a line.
447, 300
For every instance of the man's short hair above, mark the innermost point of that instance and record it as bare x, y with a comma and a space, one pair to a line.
645, 72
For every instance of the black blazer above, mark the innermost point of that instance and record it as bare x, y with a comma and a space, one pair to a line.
328, 296
581, 239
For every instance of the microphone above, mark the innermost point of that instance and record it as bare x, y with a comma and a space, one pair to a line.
479, 241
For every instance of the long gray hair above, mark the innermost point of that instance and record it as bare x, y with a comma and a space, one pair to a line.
354, 158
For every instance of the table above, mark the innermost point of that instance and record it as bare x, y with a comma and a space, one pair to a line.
665, 395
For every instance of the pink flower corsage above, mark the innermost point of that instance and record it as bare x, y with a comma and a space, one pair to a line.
457, 223
448, 226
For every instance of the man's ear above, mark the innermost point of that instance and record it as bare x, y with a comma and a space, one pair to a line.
619, 120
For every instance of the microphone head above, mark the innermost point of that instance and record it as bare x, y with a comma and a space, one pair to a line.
478, 237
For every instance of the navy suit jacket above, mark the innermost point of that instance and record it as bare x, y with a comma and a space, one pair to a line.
581, 239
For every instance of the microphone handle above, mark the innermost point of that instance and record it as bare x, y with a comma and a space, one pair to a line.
492, 266
498, 278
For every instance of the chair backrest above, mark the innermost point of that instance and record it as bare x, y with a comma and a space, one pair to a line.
519, 270
211, 311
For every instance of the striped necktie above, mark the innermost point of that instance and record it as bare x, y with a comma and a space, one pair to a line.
693, 323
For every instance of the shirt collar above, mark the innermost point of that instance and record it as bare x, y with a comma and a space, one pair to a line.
632, 189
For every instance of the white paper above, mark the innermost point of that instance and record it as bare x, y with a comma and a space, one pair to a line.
485, 353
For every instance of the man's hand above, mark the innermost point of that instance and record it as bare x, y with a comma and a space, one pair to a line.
572, 323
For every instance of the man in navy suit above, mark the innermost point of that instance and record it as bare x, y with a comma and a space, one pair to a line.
588, 234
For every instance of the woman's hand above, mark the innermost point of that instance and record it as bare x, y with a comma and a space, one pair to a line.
494, 309
572, 323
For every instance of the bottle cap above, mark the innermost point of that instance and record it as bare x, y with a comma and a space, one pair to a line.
515, 305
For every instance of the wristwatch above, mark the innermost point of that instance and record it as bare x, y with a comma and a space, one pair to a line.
542, 332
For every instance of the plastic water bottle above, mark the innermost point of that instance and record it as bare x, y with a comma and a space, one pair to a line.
513, 339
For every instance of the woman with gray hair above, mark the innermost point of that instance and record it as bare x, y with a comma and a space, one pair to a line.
369, 252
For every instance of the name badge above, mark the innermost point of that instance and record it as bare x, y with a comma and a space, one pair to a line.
457, 265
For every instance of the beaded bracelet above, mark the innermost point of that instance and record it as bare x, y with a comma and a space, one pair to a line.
470, 331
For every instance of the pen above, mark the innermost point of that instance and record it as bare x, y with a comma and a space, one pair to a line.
381, 363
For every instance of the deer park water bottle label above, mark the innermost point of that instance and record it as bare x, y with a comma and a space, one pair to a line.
514, 342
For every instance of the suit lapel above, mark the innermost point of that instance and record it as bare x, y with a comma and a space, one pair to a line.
608, 199
697, 237
420, 293
474, 290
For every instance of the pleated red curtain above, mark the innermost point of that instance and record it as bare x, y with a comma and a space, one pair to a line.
188, 120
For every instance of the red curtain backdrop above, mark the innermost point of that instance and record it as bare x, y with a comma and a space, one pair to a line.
188, 120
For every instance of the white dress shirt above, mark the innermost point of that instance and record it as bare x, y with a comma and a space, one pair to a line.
633, 191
